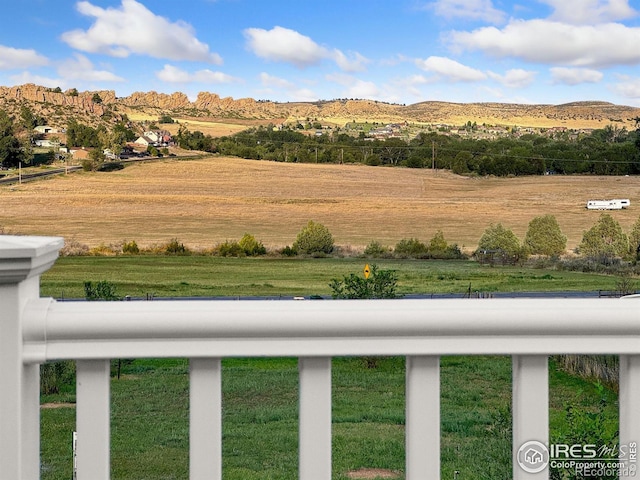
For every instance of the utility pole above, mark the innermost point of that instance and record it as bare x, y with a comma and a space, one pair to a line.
433, 155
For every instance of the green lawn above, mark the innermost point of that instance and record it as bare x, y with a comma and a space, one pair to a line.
260, 413
169, 276
150, 418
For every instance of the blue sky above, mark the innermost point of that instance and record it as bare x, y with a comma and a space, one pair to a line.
402, 51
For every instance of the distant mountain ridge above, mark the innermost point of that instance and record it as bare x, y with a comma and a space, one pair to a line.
103, 106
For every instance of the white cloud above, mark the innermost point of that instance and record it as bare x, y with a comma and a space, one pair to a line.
628, 87
544, 41
575, 76
356, 63
292, 91
271, 81
173, 74
81, 68
17, 58
411, 85
27, 77
590, 12
450, 69
515, 78
285, 45
354, 87
468, 9
133, 29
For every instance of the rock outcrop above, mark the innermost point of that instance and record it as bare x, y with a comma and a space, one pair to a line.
57, 106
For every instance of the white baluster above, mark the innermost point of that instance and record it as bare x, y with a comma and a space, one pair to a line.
315, 418
93, 419
423, 417
205, 419
530, 414
629, 398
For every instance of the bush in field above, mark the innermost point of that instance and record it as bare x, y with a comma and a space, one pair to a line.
376, 250
380, 284
73, 248
439, 248
634, 240
605, 239
230, 249
103, 290
174, 247
130, 248
544, 237
56, 374
314, 238
438, 243
410, 247
250, 246
500, 244
288, 251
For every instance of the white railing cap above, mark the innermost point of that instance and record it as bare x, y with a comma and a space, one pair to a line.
22, 257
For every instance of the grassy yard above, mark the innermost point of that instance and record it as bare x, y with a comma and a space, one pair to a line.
260, 413
171, 276
150, 418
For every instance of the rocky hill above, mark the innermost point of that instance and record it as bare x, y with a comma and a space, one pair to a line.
104, 107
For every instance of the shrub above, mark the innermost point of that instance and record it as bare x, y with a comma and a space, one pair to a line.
314, 238
103, 290
499, 244
544, 237
634, 240
438, 243
376, 250
130, 248
380, 284
410, 247
230, 249
288, 251
56, 374
175, 248
251, 246
103, 250
73, 248
605, 238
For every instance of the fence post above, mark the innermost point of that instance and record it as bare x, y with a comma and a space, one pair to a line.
629, 398
22, 260
530, 417
423, 417
315, 418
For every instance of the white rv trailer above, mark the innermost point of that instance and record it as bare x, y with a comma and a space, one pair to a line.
615, 204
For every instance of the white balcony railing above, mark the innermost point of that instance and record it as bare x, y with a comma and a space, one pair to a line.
34, 330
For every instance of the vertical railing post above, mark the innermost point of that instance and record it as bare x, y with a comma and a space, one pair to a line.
530, 417
93, 419
205, 419
315, 418
22, 260
629, 398
423, 417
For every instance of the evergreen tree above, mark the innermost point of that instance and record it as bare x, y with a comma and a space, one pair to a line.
544, 237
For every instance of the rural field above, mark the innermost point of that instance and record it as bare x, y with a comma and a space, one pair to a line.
207, 201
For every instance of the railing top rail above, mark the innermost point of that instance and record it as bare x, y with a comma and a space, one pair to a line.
350, 327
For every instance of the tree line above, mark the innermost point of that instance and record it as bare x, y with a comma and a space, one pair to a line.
607, 151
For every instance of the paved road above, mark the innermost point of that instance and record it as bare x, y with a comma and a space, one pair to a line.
27, 177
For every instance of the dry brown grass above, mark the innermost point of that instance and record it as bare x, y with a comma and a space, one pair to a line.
204, 202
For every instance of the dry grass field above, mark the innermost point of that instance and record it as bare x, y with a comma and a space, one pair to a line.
204, 202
